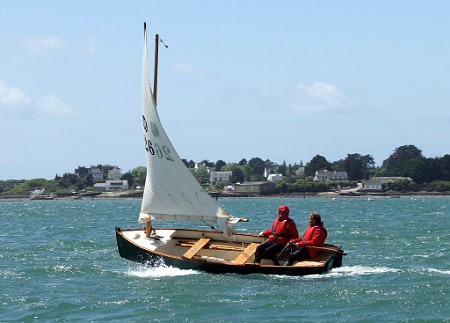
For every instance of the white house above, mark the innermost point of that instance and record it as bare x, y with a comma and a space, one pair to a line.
112, 185
117, 185
373, 185
274, 178
115, 173
330, 176
217, 177
96, 173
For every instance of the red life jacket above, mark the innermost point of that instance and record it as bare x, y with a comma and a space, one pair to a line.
313, 236
282, 231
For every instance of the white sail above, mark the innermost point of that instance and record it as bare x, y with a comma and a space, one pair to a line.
171, 192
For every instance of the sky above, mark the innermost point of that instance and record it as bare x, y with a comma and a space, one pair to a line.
279, 80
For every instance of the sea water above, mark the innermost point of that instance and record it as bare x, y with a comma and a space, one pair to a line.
58, 262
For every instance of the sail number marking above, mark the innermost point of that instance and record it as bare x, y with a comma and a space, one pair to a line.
144, 124
154, 148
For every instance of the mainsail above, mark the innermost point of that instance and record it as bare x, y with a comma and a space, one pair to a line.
171, 192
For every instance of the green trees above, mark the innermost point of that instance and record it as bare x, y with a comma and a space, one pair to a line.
237, 172
445, 167
79, 180
200, 174
257, 166
219, 164
408, 161
67, 180
136, 177
317, 163
405, 161
358, 167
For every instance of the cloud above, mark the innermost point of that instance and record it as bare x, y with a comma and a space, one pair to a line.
316, 97
319, 96
12, 99
52, 106
183, 68
42, 45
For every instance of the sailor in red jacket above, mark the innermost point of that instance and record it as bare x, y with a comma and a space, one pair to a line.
282, 231
314, 235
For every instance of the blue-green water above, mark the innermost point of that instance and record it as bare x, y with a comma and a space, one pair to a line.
58, 262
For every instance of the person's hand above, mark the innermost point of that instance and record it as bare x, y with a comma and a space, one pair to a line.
261, 234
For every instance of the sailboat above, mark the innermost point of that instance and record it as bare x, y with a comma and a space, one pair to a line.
171, 193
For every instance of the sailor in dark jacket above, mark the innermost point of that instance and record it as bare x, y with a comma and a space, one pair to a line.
282, 231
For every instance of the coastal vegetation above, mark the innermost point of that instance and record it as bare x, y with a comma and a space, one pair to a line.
426, 174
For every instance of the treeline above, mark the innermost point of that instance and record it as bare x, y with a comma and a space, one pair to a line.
405, 161
79, 180
431, 174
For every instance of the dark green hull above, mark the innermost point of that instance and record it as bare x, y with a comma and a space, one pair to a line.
133, 252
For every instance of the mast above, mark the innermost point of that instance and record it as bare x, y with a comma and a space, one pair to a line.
155, 76
148, 226
155, 79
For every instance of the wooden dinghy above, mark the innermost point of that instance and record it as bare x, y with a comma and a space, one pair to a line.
171, 193
209, 251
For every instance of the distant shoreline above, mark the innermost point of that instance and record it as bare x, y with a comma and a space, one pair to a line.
138, 195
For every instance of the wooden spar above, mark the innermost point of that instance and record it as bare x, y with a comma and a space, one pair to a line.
326, 249
155, 79
212, 246
148, 226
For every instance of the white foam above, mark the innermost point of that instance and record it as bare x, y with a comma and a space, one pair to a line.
360, 271
439, 271
347, 271
160, 271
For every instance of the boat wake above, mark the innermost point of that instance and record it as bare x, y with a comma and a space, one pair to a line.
159, 271
360, 271
438, 271
162, 270
346, 271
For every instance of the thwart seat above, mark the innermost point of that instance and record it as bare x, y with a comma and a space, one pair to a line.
246, 254
192, 251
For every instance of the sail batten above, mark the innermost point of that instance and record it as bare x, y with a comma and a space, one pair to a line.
171, 192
